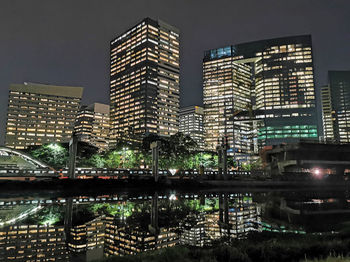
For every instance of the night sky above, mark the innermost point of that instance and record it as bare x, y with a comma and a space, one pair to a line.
67, 42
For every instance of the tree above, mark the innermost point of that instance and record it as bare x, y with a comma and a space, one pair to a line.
95, 160
55, 155
113, 159
85, 151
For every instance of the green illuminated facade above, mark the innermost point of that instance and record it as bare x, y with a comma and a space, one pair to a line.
280, 132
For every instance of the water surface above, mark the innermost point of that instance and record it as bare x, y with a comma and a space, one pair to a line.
87, 228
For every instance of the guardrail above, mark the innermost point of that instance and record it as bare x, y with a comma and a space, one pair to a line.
15, 172
112, 172
120, 173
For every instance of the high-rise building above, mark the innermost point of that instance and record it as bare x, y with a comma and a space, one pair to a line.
92, 125
336, 107
126, 240
227, 88
33, 243
144, 81
39, 114
264, 90
191, 123
327, 113
88, 236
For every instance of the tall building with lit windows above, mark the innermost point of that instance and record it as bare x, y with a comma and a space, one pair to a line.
274, 102
327, 114
191, 123
125, 240
144, 81
227, 89
92, 125
335, 99
40, 114
20, 243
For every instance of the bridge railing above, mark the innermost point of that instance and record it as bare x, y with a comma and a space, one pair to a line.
211, 174
133, 173
112, 172
15, 172
117, 173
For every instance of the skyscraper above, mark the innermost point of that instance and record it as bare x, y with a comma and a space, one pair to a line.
336, 107
40, 114
327, 113
33, 243
277, 94
92, 125
191, 123
144, 81
227, 88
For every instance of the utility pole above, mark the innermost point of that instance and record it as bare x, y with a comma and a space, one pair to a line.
222, 158
154, 226
155, 159
68, 216
73, 146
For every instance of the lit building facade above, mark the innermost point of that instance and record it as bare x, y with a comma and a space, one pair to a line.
234, 218
144, 81
88, 236
191, 123
327, 113
227, 88
92, 125
336, 107
124, 240
33, 243
240, 217
276, 98
193, 231
40, 114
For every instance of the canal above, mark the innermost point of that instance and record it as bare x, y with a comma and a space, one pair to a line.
53, 227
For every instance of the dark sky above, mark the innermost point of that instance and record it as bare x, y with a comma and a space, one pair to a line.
67, 42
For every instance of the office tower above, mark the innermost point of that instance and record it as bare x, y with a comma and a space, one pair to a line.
144, 81
235, 218
227, 89
88, 236
193, 230
92, 125
327, 114
130, 240
277, 106
336, 107
40, 114
33, 243
191, 123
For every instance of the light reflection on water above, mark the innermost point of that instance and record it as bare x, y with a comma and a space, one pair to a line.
93, 227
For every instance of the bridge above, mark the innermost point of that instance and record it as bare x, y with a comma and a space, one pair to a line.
17, 165
316, 158
10, 157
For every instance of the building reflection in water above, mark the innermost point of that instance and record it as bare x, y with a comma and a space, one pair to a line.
235, 218
88, 228
33, 243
